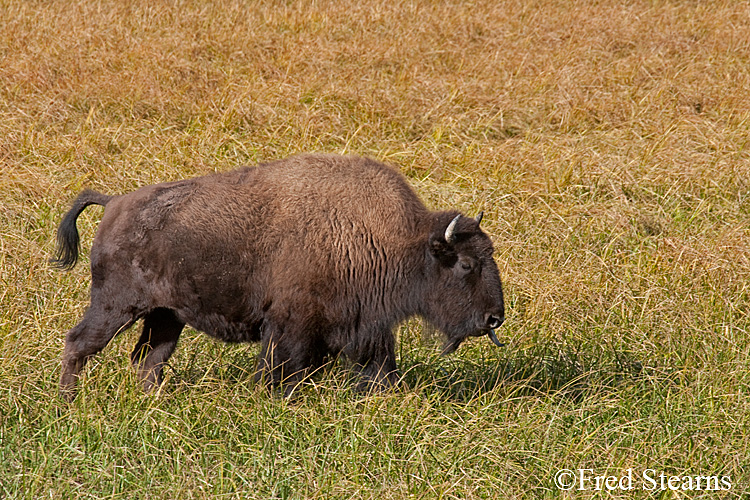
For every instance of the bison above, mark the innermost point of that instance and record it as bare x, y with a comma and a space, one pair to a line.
312, 256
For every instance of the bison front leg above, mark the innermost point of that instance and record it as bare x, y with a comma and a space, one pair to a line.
377, 365
288, 356
161, 330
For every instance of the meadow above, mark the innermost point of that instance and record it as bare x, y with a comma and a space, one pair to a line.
605, 141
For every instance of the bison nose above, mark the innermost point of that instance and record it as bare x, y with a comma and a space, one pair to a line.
493, 321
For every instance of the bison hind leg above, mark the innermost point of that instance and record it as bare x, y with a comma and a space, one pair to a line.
161, 331
85, 340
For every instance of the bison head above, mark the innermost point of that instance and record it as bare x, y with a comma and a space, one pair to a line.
464, 293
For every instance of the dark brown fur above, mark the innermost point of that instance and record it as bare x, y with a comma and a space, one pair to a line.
314, 256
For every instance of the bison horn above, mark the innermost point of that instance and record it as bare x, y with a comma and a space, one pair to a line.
450, 235
494, 339
479, 217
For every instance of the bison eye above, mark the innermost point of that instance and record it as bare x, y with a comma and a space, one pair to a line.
465, 265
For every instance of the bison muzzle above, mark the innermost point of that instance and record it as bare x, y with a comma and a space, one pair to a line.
315, 256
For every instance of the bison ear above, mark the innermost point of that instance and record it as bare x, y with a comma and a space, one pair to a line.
441, 249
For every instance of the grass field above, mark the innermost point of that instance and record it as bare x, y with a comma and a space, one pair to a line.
606, 142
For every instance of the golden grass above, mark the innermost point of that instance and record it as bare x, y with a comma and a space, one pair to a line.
606, 142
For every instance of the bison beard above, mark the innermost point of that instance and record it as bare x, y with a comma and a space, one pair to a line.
313, 256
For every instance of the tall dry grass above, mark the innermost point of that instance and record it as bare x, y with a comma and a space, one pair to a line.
605, 141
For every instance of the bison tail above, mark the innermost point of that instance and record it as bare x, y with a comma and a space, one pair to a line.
68, 243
